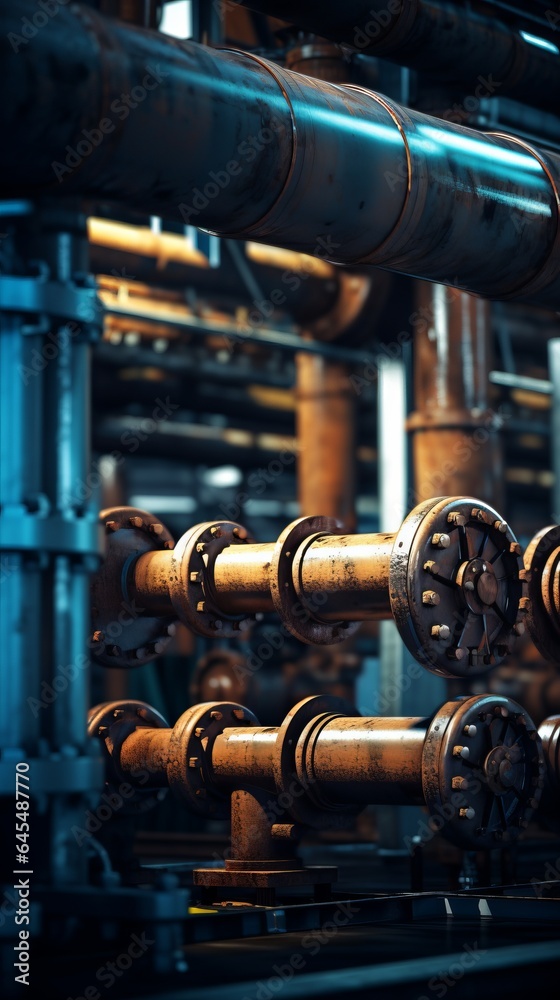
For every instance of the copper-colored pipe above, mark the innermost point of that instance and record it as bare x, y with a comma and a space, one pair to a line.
323, 761
252, 750
362, 561
145, 750
350, 759
355, 758
325, 410
350, 572
242, 578
141, 240
454, 431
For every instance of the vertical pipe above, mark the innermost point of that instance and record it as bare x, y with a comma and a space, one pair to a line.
326, 439
456, 449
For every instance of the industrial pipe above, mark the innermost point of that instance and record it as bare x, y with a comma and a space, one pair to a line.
451, 577
477, 764
232, 143
454, 430
445, 40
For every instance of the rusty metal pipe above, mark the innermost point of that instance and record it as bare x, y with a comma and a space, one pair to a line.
454, 430
438, 577
336, 171
245, 754
448, 41
324, 761
242, 578
362, 760
361, 561
145, 750
325, 419
349, 572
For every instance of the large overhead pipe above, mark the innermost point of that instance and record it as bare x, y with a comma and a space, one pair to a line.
451, 578
235, 144
442, 39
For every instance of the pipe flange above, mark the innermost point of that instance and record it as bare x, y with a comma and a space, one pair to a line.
111, 723
122, 635
292, 775
542, 563
483, 771
191, 579
189, 767
300, 613
456, 586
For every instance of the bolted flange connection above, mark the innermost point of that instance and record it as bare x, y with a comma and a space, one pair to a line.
144, 751
542, 607
181, 582
477, 764
112, 723
457, 586
451, 577
483, 771
123, 632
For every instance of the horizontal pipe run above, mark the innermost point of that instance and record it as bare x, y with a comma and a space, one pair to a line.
149, 582
348, 760
237, 145
245, 755
484, 54
143, 758
242, 579
368, 760
350, 572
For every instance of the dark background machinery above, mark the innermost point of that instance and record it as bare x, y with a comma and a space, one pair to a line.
180, 350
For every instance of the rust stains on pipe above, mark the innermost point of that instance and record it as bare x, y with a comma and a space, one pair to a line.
245, 755
454, 430
367, 760
326, 417
242, 578
149, 582
351, 572
145, 750
232, 143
